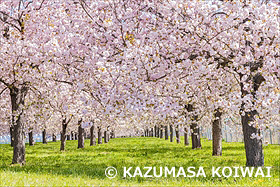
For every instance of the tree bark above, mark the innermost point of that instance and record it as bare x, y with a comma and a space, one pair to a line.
75, 136
105, 137
92, 135
17, 100
31, 139
81, 137
195, 134
171, 133
44, 135
63, 135
155, 131
166, 132
161, 131
68, 137
54, 138
113, 134
217, 134
253, 146
72, 135
177, 134
186, 136
12, 135
158, 131
99, 136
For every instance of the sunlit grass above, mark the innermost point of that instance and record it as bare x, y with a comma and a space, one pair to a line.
47, 166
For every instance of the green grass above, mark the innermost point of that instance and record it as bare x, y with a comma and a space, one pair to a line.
47, 166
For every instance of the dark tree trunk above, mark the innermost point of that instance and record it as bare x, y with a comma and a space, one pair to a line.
166, 132
155, 131
81, 138
76, 136
99, 136
31, 139
113, 134
19, 143
17, 101
253, 146
92, 135
217, 134
152, 132
68, 137
171, 133
195, 134
105, 137
44, 133
63, 135
186, 136
161, 131
54, 138
177, 134
12, 135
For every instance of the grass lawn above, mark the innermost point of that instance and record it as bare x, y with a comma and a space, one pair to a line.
47, 166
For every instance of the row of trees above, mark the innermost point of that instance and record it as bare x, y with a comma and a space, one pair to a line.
143, 63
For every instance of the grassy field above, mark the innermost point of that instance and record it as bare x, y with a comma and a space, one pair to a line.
47, 166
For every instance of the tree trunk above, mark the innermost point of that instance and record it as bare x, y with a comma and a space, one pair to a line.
152, 132
99, 136
253, 146
171, 133
177, 134
186, 136
31, 139
44, 136
72, 135
76, 136
158, 131
17, 101
81, 138
217, 134
12, 135
63, 135
112, 134
155, 131
92, 135
161, 131
105, 137
108, 135
68, 137
19, 143
195, 136
54, 138
166, 132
